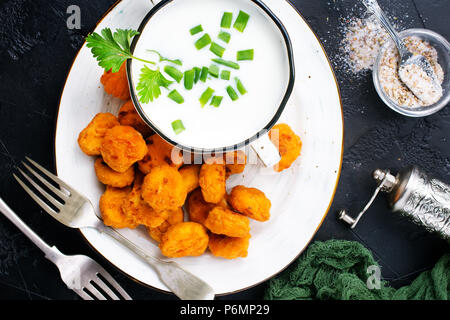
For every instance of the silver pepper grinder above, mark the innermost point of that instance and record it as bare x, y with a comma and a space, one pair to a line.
413, 194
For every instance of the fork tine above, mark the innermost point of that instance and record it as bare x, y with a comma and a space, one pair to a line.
94, 291
36, 198
51, 176
42, 191
45, 182
114, 284
105, 288
83, 294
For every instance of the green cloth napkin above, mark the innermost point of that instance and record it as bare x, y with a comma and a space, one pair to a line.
337, 269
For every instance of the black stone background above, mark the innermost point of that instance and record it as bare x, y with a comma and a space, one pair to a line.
36, 52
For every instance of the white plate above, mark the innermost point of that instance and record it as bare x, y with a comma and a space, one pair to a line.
301, 195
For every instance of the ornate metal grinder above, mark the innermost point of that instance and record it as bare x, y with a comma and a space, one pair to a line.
413, 194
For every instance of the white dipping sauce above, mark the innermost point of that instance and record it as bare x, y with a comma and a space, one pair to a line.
265, 78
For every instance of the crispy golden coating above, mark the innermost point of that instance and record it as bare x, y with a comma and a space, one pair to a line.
90, 139
184, 239
128, 116
190, 176
235, 162
175, 217
198, 207
116, 84
108, 176
122, 147
251, 202
164, 189
288, 143
134, 206
227, 247
224, 221
159, 153
111, 208
212, 181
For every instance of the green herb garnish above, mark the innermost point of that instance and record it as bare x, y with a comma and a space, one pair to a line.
178, 126
174, 73
161, 58
189, 78
214, 71
149, 84
176, 96
233, 95
204, 98
227, 18
203, 41
204, 74
224, 36
225, 75
216, 101
196, 30
198, 71
218, 50
245, 55
240, 86
226, 63
241, 21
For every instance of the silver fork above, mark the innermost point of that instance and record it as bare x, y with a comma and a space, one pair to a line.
76, 211
79, 272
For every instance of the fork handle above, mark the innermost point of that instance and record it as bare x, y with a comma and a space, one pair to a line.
51, 253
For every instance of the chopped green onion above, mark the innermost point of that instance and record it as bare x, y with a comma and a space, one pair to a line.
176, 96
225, 75
214, 71
206, 96
178, 126
189, 77
233, 95
203, 41
227, 18
198, 71
241, 21
161, 58
226, 63
216, 101
196, 29
218, 50
240, 86
204, 74
224, 36
174, 73
245, 55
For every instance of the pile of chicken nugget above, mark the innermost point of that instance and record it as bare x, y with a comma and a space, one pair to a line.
146, 185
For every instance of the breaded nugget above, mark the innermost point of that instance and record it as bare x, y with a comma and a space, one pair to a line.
184, 239
235, 162
212, 181
227, 247
190, 176
141, 212
108, 176
226, 222
175, 217
90, 139
122, 147
159, 153
111, 208
198, 207
128, 116
164, 189
116, 84
288, 143
251, 202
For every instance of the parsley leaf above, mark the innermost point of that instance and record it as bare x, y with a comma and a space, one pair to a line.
149, 84
112, 49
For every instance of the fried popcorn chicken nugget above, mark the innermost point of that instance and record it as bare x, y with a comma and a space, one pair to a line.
227, 247
190, 176
128, 116
235, 162
111, 208
90, 139
159, 153
251, 202
134, 206
122, 147
184, 239
164, 189
198, 207
224, 221
108, 176
212, 180
175, 217
288, 143
116, 84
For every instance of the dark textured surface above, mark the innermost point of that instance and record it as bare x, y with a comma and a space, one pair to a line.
36, 51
